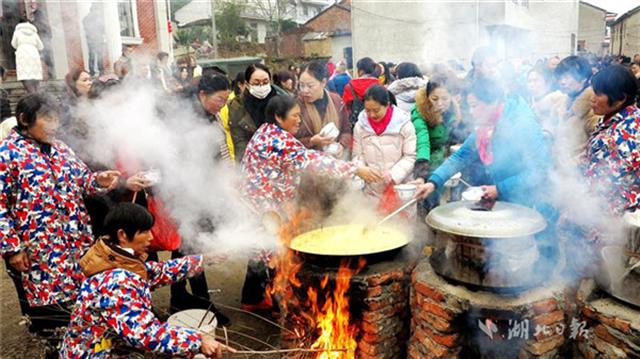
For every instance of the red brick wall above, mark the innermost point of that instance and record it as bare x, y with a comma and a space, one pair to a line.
336, 18
291, 44
147, 26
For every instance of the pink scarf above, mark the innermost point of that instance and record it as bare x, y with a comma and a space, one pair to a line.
484, 135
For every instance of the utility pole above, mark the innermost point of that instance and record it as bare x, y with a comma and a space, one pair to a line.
214, 37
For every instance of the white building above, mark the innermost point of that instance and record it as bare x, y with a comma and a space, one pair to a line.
592, 30
427, 32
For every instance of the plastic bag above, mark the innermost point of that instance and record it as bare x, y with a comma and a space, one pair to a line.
164, 230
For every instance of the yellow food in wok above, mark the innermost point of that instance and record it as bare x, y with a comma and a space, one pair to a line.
349, 240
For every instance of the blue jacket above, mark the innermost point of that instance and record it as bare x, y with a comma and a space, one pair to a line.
338, 82
521, 158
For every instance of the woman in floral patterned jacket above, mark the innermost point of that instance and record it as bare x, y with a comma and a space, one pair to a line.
44, 225
273, 164
113, 314
612, 157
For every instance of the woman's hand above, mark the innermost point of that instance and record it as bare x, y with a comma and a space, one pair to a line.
321, 141
211, 348
369, 174
137, 183
20, 261
108, 179
490, 192
424, 190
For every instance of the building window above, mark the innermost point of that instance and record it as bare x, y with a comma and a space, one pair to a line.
128, 17
581, 45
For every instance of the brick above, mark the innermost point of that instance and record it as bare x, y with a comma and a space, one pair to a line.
602, 332
432, 307
549, 318
386, 277
539, 348
377, 291
388, 299
617, 323
413, 353
386, 312
435, 322
379, 349
437, 350
545, 306
608, 350
429, 291
447, 340
382, 327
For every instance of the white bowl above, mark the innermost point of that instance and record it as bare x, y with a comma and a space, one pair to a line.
405, 191
330, 130
332, 149
473, 194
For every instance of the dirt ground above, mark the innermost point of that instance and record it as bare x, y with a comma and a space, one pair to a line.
16, 342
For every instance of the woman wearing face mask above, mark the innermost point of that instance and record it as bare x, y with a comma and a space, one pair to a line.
320, 108
43, 221
246, 112
272, 167
384, 139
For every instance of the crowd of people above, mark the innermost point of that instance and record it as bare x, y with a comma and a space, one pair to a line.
76, 234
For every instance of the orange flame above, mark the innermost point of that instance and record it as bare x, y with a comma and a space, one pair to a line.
325, 312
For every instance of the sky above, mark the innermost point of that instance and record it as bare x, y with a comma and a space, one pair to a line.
617, 6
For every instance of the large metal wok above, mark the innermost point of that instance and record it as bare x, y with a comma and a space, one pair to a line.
619, 274
328, 244
490, 249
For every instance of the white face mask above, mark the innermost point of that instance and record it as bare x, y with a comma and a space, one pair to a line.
260, 91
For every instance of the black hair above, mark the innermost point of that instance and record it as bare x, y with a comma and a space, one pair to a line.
211, 82
316, 69
235, 84
432, 85
161, 55
32, 105
99, 87
130, 217
366, 65
378, 94
617, 82
407, 69
279, 106
281, 77
486, 90
578, 67
2, 72
252, 68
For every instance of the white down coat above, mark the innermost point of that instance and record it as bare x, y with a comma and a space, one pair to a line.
28, 45
394, 151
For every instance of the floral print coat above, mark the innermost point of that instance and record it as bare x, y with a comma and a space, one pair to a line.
42, 212
273, 164
116, 304
612, 159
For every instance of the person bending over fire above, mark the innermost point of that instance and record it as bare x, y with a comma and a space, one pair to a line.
113, 313
272, 165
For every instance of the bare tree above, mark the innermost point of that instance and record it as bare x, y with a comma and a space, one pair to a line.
275, 12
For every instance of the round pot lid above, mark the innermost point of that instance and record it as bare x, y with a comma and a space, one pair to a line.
349, 240
632, 218
506, 220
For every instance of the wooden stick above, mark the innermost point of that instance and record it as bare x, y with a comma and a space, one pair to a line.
135, 196
294, 350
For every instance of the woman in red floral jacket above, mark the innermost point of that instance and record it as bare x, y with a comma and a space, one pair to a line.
44, 225
612, 157
273, 164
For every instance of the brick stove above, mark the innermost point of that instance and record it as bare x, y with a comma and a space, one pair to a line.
452, 321
378, 303
614, 325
